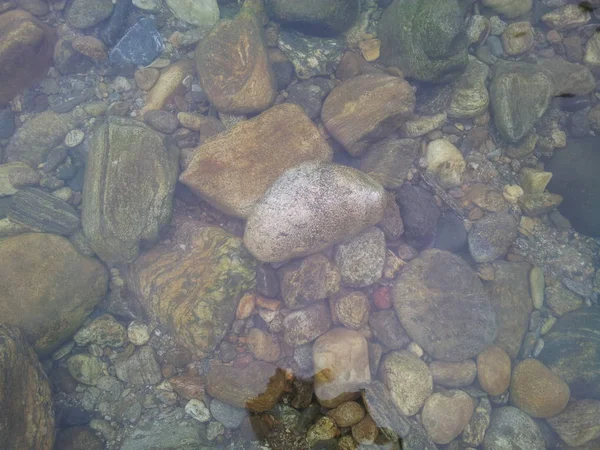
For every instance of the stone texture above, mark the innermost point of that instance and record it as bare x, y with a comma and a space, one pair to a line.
202, 14
351, 310
307, 280
140, 368
263, 346
518, 38
569, 78
408, 380
446, 414
321, 17
311, 56
233, 170
470, 97
103, 331
305, 325
129, 185
382, 99
48, 292
341, 365
493, 370
562, 300
512, 303
199, 314
86, 14
311, 207
86, 369
389, 161
257, 386
426, 39
510, 9
577, 424
167, 84
347, 414
26, 409
453, 374
474, 432
387, 329
491, 236
26, 50
446, 162
537, 390
443, 306
420, 215
510, 428
361, 258
233, 66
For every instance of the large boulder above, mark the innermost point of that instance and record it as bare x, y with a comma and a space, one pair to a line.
26, 49
315, 16
364, 107
47, 288
575, 177
233, 170
512, 302
234, 68
426, 39
443, 306
520, 95
572, 351
128, 192
311, 207
26, 412
193, 284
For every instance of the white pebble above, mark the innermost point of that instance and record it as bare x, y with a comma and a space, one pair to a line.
138, 333
198, 410
121, 84
416, 349
74, 138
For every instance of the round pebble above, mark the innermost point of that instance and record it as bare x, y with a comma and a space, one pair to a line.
198, 410
493, 370
230, 416
138, 333
347, 414
74, 138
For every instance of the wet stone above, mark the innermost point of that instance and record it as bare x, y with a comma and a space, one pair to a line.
352, 309
78, 438
230, 416
304, 326
446, 414
311, 56
361, 259
163, 121
267, 283
474, 432
576, 424
491, 236
309, 95
139, 368
387, 329
140, 45
449, 374
7, 123
103, 331
86, 14
419, 215
561, 300
347, 414
493, 370
512, 428
389, 160
451, 234
86, 369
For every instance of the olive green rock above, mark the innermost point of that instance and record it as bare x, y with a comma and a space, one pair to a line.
426, 39
47, 288
86, 369
572, 351
128, 192
193, 284
315, 16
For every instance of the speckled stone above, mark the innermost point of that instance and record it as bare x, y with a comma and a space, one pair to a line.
512, 428
446, 414
139, 368
304, 326
311, 56
361, 259
351, 309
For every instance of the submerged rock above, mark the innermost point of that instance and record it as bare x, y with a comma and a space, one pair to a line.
86, 13
311, 56
48, 292
389, 161
200, 13
26, 411
219, 269
443, 306
511, 428
128, 192
491, 236
420, 214
317, 17
577, 424
426, 39
361, 259
336, 203
140, 45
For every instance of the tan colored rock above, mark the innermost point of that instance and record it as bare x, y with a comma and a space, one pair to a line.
518, 38
453, 374
233, 170
341, 365
446, 161
537, 390
146, 77
26, 50
370, 49
91, 47
257, 386
578, 423
26, 411
234, 68
493, 370
363, 106
347, 414
351, 309
168, 83
509, 8
263, 346
446, 414
566, 17
47, 288
365, 432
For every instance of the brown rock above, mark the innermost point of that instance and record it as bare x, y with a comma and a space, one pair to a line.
26, 412
365, 432
167, 85
453, 374
146, 77
257, 386
347, 414
351, 309
234, 68
341, 364
537, 390
188, 387
245, 307
493, 370
446, 414
263, 346
360, 107
90, 47
578, 423
233, 170
26, 51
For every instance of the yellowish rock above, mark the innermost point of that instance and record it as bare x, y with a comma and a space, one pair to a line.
534, 181
168, 83
512, 193
493, 370
370, 49
446, 161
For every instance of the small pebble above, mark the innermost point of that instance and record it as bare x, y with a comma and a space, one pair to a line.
415, 349
198, 410
74, 138
138, 333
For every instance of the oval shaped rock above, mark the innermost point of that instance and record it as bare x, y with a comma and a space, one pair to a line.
453, 374
446, 414
510, 428
304, 326
311, 207
491, 236
493, 370
323, 17
381, 98
578, 423
361, 259
443, 306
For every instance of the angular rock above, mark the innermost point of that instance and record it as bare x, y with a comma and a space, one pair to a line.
233, 66
257, 386
263, 346
311, 279
520, 94
86, 13
220, 270
202, 14
352, 309
474, 432
129, 185
567, 17
576, 424
26, 409
382, 99
309, 95
9, 177
470, 97
512, 303
233, 170
443, 306
140, 45
446, 414
389, 161
491, 236
86, 369
311, 56
419, 215
304, 326
361, 258
572, 351
103, 331
139, 368
562, 300
337, 202
48, 292
511, 428
322, 17
40, 211
32, 142
426, 39
386, 327
341, 365
383, 410
230, 416
569, 78
26, 49
535, 205
408, 380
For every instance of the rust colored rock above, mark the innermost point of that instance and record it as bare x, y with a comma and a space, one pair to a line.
26, 49
188, 387
91, 47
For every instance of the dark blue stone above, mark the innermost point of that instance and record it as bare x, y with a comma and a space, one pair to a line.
141, 44
7, 123
113, 30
